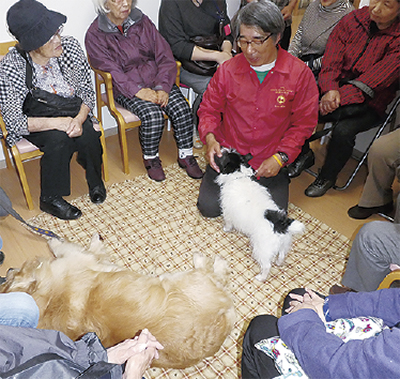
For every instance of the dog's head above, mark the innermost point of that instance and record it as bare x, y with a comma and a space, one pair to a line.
24, 279
231, 162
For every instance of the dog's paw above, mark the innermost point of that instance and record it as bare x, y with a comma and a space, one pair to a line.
227, 228
220, 265
199, 260
54, 244
263, 275
96, 244
261, 278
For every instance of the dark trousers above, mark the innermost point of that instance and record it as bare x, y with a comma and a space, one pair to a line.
343, 139
255, 363
58, 148
209, 193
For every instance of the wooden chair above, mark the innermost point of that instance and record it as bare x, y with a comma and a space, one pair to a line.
24, 150
126, 120
389, 279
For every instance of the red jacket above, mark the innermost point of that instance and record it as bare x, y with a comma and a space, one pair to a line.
378, 67
277, 115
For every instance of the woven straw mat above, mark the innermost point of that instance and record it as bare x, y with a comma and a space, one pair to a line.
153, 227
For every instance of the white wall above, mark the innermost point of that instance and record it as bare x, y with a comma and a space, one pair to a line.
80, 14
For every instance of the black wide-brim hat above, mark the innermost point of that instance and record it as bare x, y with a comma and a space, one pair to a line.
32, 24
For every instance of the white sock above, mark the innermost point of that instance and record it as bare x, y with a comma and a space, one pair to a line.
150, 156
183, 153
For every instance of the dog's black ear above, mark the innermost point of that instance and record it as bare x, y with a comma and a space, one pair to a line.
222, 161
247, 157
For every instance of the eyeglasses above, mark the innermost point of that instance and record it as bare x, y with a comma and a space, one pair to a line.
120, 2
57, 33
256, 43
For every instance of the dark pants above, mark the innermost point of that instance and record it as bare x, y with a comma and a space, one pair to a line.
343, 139
209, 193
58, 148
255, 363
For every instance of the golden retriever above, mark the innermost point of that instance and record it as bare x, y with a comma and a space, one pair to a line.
190, 313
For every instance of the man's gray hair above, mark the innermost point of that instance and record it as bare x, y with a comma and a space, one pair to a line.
264, 15
100, 6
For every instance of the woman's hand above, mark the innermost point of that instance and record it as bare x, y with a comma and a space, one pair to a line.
213, 147
138, 353
74, 129
148, 94
310, 300
163, 98
269, 168
137, 365
329, 102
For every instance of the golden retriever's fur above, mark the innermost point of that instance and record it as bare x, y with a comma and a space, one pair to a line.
190, 313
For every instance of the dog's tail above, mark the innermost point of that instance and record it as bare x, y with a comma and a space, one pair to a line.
282, 223
296, 227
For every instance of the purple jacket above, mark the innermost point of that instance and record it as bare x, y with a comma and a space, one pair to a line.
138, 58
325, 356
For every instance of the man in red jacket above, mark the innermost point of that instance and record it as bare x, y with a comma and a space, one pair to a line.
263, 101
359, 78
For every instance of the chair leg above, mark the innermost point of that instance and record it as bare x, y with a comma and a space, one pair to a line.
105, 158
6, 154
124, 150
24, 181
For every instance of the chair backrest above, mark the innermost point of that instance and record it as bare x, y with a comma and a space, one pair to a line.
390, 278
4, 47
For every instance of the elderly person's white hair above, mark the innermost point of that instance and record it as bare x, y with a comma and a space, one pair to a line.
100, 6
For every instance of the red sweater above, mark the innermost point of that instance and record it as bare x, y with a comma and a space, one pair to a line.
378, 66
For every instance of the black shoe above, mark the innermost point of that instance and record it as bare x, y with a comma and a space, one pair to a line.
302, 162
1, 257
361, 213
319, 187
57, 206
98, 194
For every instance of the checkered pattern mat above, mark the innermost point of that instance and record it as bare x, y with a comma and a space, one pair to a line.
153, 227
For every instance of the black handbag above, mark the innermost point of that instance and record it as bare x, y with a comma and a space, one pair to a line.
41, 103
205, 68
211, 42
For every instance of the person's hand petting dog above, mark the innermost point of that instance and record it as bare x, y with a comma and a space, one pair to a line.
310, 300
213, 148
138, 353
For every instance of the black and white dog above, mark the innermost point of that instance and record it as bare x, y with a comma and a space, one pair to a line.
248, 207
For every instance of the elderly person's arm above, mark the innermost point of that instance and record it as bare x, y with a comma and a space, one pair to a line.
70, 125
177, 32
201, 54
324, 355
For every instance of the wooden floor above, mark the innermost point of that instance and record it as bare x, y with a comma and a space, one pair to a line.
20, 244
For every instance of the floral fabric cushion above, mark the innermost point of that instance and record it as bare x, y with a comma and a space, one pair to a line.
346, 329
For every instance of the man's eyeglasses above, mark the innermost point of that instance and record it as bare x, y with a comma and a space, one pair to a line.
257, 42
57, 33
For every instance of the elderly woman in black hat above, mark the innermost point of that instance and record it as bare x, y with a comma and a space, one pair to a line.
45, 60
